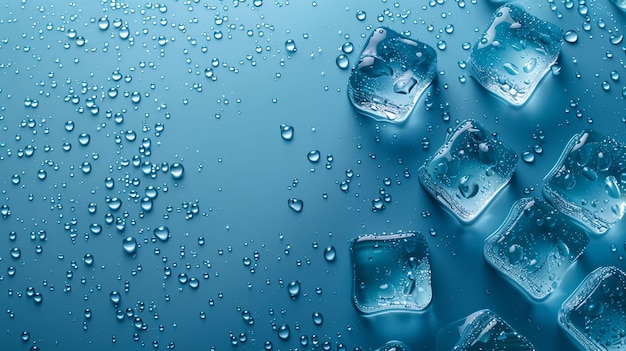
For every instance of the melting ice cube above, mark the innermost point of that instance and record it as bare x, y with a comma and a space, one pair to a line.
481, 331
535, 246
514, 53
392, 73
391, 272
468, 170
594, 315
588, 183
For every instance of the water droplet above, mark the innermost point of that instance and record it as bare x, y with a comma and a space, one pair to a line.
290, 45
528, 156
294, 289
330, 254
162, 233
449, 29
314, 156
570, 36
115, 297
318, 319
16, 252
130, 245
83, 139
347, 47
286, 132
342, 61
360, 15
295, 204
177, 170
617, 39
88, 259
441, 45
283, 332
103, 23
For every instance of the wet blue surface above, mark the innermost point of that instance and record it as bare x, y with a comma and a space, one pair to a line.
208, 85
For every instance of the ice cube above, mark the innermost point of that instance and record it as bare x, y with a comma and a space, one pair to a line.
468, 170
394, 345
392, 73
481, 331
594, 315
535, 246
588, 182
514, 53
391, 272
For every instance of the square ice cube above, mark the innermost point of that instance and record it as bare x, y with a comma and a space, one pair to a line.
391, 272
514, 53
535, 246
594, 315
392, 73
468, 170
588, 182
481, 331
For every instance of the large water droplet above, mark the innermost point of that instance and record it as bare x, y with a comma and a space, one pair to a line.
295, 204
290, 45
294, 289
115, 297
286, 131
162, 233
360, 15
330, 254
570, 36
611, 187
283, 332
314, 156
177, 170
130, 245
342, 61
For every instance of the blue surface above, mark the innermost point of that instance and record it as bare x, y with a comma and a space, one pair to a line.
221, 103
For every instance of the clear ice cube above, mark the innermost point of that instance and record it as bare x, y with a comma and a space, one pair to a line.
535, 246
391, 272
468, 170
588, 183
514, 53
392, 73
481, 331
394, 345
594, 315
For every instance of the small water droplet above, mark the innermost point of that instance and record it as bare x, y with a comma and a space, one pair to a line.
283, 332
330, 254
115, 297
290, 45
528, 156
570, 36
347, 47
314, 156
103, 23
294, 289
360, 15
286, 132
342, 61
318, 318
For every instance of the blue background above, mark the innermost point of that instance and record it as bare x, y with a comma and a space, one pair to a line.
240, 172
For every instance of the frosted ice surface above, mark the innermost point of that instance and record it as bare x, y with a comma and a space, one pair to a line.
391, 272
468, 170
588, 182
482, 331
594, 315
535, 246
514, 53
392, 73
